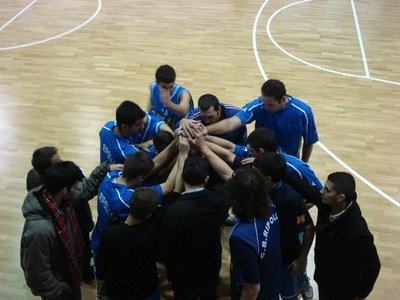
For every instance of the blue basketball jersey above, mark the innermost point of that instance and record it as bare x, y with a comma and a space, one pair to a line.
151, 127
301, 169
114, 148
160, 110
113, 203
290, 125
256, 256
243, 151
293, 164
237, 136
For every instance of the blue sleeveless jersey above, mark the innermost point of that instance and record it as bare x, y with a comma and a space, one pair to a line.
161, 111
151, 128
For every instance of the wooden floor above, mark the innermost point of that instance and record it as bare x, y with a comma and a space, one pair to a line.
61, 91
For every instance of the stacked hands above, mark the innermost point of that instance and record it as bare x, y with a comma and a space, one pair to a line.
198, 136
192, 131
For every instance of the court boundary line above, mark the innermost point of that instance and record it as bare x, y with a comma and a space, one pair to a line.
99, 6
18, 14
360, 40
308, 63
322, 146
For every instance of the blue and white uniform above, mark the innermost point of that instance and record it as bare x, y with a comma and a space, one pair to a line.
243, 151
161, 111
292, 214
151, 128
113, 202
293, 164
114, 148
290, 125
256, 256
301, 169
237, 136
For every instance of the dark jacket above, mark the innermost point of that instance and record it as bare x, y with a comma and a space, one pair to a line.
190, 242
42, 254
346, 260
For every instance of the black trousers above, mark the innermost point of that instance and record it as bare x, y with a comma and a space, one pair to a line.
207, 292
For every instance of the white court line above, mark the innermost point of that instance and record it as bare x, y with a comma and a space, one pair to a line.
342, 163
310, 64
17, 15
255, 50
360, 41
99, 4
351, 170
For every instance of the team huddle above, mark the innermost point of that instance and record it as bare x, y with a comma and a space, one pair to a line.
169, 178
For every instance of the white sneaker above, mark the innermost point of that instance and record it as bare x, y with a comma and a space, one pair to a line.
230, 220
307, 293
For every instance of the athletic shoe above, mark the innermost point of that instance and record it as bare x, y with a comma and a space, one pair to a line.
230, 220
307, 293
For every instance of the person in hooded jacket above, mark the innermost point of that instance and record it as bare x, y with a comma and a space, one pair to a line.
52, 245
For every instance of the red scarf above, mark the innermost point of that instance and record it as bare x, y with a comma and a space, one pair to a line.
65, 238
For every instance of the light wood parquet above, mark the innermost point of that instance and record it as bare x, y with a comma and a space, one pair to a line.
61, 92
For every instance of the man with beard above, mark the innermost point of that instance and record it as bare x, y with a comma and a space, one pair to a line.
52, 245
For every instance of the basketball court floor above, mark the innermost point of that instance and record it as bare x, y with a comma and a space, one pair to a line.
66, 65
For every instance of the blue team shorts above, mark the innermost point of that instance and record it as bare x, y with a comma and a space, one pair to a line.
291, 286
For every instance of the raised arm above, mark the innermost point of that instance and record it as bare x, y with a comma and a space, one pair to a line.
164, 157
165, 127
222, 152
220, 166
88, 187
168, 185
221, 142
180, 109
224, 126
184, 148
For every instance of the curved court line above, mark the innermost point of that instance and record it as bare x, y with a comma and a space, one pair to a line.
99, 4
255, 50
310, 64
323, 147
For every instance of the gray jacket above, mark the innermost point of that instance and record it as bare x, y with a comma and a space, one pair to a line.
42, 254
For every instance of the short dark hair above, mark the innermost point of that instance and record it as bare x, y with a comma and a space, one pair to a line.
208, 100
61, 175
143, 201
195, 170
274, 88
137, 164
128, 113
247, 193
344, 183
165, 74
271, 164
162, 139
263, 138
41, 158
